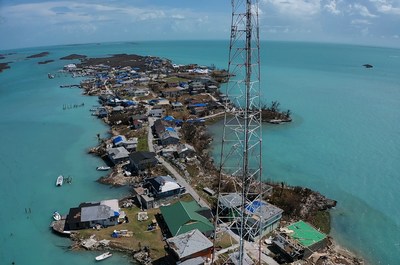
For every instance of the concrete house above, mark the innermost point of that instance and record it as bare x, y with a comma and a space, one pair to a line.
212, 88
270, 218
141, 93
143, 198
156, 112
136, 124
141, 161
190, 245
88, 215
121, 141
298, 241
118, 154
163, 186
231, 204
177, 105
169, 137
171, 92
185, 150
196, 88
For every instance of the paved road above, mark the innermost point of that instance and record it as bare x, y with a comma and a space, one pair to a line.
172, 170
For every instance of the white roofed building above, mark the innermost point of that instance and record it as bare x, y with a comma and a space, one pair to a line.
163, 186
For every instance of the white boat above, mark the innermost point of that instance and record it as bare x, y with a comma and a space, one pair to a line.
275, 121
103, 168
103, 256
60, 180
56, 216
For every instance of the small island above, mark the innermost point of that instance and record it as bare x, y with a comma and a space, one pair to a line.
159, 146
272, 114
73, 57
4, 66
46, 62
38, 55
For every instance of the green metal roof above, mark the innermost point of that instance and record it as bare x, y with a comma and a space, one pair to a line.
305, 234
181, 217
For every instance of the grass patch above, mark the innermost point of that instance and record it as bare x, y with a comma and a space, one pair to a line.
224, 240
175, 79
321, 220
142, 143
192, 170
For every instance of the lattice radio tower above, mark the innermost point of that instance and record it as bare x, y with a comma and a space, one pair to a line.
240, 167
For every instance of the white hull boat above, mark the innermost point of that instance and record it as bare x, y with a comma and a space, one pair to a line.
56, 216
102, 168
60, 180
104, 256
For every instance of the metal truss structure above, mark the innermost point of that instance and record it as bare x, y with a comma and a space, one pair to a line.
238, 215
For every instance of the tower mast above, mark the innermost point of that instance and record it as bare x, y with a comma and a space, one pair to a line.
240, 168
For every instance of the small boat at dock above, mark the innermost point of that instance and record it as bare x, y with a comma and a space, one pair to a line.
103, 256
59, 181
56, 216
102, 168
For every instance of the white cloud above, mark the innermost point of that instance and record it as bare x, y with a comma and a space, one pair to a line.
387, 7
362, 10
360, 22
331, 7
296, 7
177, 16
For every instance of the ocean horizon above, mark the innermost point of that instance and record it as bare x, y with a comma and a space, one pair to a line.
344, 141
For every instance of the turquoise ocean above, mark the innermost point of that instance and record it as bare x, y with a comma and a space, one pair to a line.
344, 140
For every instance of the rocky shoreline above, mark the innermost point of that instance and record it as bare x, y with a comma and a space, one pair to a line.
297, 202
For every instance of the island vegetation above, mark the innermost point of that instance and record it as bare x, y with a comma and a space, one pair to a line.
38, 55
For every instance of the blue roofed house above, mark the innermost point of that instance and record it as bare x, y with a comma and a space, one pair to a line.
121, 141
118, 140
168, 118
260, 214
270, 218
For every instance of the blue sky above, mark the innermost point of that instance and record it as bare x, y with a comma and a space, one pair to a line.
27, 23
